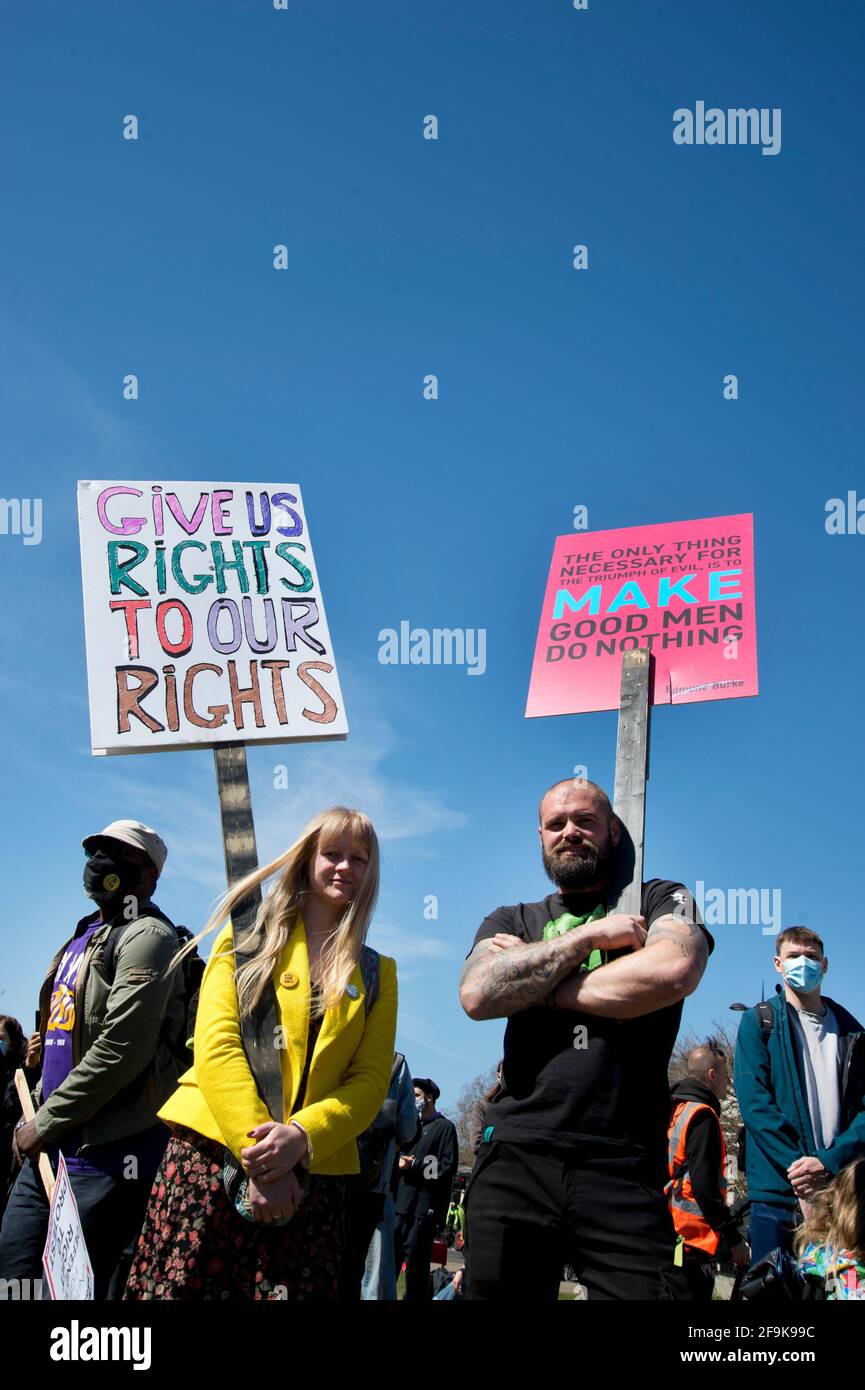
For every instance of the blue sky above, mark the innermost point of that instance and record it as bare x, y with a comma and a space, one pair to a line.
556, 388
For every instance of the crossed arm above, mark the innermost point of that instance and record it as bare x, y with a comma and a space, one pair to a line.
667, 969
500, 978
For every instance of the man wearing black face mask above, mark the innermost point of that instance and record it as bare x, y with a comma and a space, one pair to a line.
113, 1025
572, 1163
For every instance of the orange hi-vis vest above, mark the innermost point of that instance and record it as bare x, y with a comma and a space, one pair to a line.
688, 1219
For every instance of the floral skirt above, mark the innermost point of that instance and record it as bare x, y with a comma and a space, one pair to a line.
194, 1245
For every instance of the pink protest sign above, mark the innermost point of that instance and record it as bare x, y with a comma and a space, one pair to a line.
685, 589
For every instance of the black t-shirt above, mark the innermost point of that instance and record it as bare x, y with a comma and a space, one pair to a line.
609, 1099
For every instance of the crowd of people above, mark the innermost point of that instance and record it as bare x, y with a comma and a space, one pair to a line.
241, 1131
247, 1131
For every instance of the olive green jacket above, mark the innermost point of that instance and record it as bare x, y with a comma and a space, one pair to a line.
127, 1038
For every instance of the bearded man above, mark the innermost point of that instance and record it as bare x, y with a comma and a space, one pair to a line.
572, 1163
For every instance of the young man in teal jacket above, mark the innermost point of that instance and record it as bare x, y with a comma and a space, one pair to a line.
800, 1083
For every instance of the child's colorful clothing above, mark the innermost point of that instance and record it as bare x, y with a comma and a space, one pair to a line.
841, 1273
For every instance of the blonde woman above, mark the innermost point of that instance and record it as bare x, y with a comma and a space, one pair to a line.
282, 1237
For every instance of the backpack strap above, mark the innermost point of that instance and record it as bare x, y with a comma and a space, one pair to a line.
116, 934
767, 1018
259, 1029
370, 969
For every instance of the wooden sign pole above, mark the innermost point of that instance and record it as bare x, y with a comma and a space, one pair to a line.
45, 1171
241, 858
632, 769
238, 828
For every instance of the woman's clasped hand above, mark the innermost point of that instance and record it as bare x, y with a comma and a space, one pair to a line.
278, 1150
280, 1200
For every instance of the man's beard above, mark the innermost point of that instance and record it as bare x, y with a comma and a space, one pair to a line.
577, 868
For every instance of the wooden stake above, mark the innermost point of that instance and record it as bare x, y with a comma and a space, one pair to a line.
45, 1170
241, 857
632, 764
235, 808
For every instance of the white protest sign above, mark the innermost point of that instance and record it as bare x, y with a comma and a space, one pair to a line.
65, 1259
204, 617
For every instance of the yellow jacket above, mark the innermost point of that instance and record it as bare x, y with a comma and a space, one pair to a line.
348, 1076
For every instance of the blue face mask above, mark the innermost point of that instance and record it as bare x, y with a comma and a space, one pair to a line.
802, 973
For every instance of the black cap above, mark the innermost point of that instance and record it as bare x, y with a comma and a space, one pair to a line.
428, 1087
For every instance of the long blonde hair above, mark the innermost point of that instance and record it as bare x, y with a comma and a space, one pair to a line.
279, 910
837, 1217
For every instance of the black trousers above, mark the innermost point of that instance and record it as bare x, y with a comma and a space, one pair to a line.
413, 1242
363, 1212
699, 1271
112, 1214
530, 1211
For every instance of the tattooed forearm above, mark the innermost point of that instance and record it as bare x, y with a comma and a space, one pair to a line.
686, 935
497, 982
665, 971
